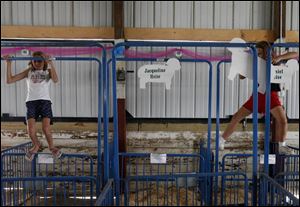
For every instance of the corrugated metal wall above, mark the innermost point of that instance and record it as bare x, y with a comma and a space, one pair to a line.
188, 95
291, 99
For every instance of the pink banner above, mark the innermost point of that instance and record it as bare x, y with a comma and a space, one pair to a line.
128, 53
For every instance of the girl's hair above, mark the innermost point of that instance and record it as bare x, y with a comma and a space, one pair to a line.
264, 45
41, 55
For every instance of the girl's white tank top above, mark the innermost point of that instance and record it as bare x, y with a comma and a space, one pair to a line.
38, 85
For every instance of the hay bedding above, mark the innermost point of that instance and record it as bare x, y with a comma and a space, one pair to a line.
172, 196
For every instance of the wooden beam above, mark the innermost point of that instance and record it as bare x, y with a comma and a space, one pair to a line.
118, 15
197, 34
142, 33
118, 8
292, 36
57, 32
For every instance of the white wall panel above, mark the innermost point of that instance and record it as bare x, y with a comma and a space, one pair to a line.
128, 13
184, 15
94, 71
6, 12
42, 15
203, 19
83, 13
203, 14
292, 15
144, 14
56, 91
68, 83
163, 14
8, 92
102, 13
21, 91
223, 19
131, 88
22, 13
63, 13
242, 20
291, 98
261, 14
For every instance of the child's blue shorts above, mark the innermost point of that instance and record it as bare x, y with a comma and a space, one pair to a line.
38, 108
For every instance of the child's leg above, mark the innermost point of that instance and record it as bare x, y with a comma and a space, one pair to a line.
47, 131
32, 134
237, 117
281, 123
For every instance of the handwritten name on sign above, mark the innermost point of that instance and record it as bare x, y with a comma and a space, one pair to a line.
283, 73
241, 63
159, 73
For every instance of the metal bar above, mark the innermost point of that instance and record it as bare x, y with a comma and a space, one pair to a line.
255, 126
115, 136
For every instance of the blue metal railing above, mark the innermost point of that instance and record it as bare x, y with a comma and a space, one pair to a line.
289, 180
56, 191
16, 171
18, 148
183, 189
268, 100
274, 194
107, 195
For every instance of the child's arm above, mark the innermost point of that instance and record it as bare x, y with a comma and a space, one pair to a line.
14, 78
52, 71
286, 56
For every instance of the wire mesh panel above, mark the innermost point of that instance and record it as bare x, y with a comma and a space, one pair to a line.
41, 181
106, 197
241, 163
290, 182
45, 191
274, 194
237, 163
189, 189
134, 164
148, 164
18, 148
291, 161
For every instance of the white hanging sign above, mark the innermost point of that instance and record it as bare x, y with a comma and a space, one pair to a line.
241, 63
283, 73
45, 159
158, 158
271, 158
159, 73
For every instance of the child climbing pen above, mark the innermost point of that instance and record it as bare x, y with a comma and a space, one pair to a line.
276, 107
38, 102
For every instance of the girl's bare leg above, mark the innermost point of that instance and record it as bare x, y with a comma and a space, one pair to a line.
32, 134
237, 117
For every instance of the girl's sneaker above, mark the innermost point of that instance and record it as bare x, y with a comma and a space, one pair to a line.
31, 153
56, 153
221, 143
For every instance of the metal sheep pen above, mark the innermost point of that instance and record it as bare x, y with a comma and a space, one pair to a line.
71, 180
